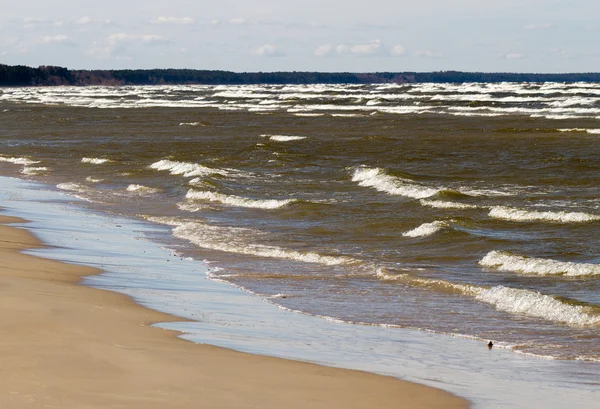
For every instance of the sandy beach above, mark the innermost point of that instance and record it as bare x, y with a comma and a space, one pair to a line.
65, 345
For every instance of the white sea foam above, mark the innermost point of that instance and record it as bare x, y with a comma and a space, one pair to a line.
18, 161
28, 170
592, 131
511, 300
379, 180
535, 304
538, 266
284, 138
186, 169
237, 201
520, 215
442, 204
427, 229
95, 161
72, 187
190, 124
93, 179
236, 240
141, 189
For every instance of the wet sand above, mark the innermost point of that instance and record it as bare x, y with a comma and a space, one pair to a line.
65, 345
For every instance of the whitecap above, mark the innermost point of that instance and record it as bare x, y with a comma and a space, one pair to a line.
505, 261
186, 169
18, 161
237, 201
520, 215
426, 229
141, 189
379, 180
95, 161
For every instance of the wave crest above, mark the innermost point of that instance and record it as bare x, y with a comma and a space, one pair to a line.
504, 261
186, 169
237, 201
520, 215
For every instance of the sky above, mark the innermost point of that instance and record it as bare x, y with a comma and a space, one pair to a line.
309, 35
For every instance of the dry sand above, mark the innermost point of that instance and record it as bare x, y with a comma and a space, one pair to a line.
64, 345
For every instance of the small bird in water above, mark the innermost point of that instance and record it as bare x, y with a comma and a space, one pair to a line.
490, 345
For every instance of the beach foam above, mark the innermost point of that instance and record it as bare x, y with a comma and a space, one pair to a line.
520, 215
27, 170
505, 261
237, 201
232, 240
18, 161
141, 189
442, 204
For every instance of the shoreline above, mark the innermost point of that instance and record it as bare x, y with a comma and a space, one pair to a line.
60, 348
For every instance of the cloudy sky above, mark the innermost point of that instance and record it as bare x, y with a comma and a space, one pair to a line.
314, 35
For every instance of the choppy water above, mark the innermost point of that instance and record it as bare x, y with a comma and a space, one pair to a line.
470, 209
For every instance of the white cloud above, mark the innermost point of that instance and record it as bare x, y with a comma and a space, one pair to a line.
83, 20
268, 50
398, 50
173, 20
342, 49
237, 21
537, 26
60, 38
512, 56
114, 39
323, 50
368, 48
427, 54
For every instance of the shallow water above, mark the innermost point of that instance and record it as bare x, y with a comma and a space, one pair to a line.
136, 265
467, 210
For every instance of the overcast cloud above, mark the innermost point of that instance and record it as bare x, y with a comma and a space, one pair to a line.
315, 35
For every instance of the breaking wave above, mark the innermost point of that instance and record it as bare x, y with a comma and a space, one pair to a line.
511, 300
379, 180
186, 169
141, 189
284, 138
238, 201
505, 261
519, 215
18, 161
442, 204
427, 229
231, 240
95, 161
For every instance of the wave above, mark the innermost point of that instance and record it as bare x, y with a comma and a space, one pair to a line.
93, 180
512, 300
427, 229
379, 180
231, 240
519, 215
95, 161
505, 261
535, 304
73, 187
442, 204
18, 161
284, 138
28, 170
190, 124
186, 169
237, 200
141, 189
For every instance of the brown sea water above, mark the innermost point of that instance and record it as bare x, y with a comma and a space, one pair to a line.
468, 209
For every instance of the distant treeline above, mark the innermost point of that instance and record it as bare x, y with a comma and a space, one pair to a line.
20, 75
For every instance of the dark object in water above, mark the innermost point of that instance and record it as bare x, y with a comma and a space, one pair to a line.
490, 345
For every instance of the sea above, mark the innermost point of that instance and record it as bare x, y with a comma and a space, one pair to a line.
453, 214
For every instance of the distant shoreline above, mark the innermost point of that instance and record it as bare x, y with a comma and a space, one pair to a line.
20, 75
